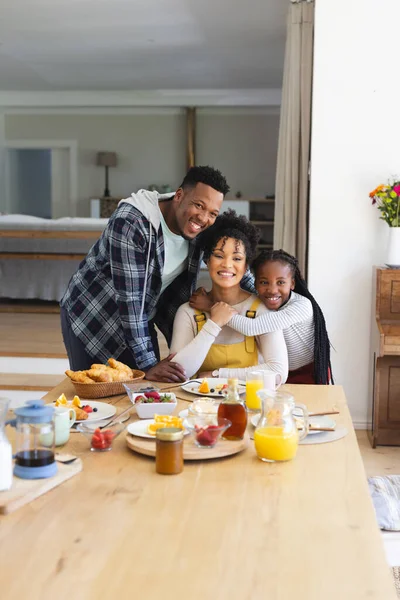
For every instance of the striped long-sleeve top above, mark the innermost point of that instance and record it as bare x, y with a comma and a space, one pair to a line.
295, 318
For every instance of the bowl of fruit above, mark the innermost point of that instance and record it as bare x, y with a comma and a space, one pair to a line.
101, 440
152, 402
206, 429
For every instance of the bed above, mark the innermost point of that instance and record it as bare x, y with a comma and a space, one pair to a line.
38, 256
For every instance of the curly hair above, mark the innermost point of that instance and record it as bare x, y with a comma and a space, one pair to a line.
206, 175
231, 225
322, 346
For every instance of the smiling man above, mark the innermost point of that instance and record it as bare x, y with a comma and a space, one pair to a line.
143, 267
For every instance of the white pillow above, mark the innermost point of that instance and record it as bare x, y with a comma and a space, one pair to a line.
385, 494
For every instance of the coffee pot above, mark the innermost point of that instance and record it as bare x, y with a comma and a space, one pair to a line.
34, 443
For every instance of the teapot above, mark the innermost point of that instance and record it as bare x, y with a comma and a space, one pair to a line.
276, 437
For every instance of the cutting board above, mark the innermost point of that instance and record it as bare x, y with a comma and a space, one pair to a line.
190, 450
26, 490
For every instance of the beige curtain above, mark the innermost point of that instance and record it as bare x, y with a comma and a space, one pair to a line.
291, 188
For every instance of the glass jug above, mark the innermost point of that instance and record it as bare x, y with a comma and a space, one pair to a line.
276, 437
34, 443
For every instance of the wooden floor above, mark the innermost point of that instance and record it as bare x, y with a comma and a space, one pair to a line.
28, 306
383, 460
29, 381
31, 334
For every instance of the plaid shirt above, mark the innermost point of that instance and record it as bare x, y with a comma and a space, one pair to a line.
104, 297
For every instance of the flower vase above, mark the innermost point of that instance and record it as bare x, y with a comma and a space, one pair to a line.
393, 250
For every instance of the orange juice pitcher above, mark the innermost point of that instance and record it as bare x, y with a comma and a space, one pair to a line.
276, 437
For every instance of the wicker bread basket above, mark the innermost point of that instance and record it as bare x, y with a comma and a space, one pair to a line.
102, 390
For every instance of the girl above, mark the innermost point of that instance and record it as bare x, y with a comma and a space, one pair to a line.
202, 343
293, 309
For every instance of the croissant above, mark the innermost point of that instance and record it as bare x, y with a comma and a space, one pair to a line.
81, 415
120, 375
101, 367
79, 376
119, 366
99, 375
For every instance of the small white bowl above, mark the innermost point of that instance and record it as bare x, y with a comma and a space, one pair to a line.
147, 410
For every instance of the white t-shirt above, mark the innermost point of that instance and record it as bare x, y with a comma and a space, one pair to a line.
176, 250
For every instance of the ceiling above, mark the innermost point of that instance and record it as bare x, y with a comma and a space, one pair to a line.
56, 45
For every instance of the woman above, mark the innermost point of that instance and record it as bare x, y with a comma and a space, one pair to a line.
202, 343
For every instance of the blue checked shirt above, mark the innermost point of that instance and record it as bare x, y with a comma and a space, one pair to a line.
118, 285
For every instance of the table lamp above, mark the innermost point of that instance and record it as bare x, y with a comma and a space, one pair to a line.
107, 159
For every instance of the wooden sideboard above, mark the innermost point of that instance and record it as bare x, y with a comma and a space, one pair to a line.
107, 206
385, 428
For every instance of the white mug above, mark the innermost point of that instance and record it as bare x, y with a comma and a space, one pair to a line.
271, 380
64, 418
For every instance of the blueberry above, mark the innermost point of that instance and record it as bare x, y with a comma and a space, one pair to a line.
212, 390
95, 409
220, 392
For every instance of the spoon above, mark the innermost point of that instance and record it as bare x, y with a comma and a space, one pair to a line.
66, 459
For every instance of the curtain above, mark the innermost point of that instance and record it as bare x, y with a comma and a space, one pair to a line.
292, 173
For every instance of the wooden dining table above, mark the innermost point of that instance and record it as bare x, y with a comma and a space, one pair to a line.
232, 528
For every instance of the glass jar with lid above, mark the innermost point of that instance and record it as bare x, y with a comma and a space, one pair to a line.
169, 450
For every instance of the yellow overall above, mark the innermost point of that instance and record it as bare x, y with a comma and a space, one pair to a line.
240, 355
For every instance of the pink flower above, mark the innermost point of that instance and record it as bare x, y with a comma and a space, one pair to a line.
397, 189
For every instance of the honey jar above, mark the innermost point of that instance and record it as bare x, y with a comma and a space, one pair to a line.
169, 450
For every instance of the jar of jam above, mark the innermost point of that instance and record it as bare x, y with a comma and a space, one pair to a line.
169, 450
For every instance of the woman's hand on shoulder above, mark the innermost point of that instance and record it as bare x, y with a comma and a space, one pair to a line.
221, 313
200, 300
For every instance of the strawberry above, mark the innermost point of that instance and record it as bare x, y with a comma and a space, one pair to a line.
207, 436
154, 395
139, 399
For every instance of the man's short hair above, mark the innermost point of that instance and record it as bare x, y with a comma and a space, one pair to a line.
208, 176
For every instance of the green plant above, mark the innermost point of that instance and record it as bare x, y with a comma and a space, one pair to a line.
387, 200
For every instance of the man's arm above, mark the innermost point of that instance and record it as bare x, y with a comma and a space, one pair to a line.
247, 282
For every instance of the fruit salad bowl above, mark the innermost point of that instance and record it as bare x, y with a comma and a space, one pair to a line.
207, 430
100, 440
152, 402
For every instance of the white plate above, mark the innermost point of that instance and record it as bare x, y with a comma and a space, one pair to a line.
193, 388
139, 428
104, 411
322, 421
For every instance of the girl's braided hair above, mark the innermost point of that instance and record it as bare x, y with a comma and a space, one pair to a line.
322, 356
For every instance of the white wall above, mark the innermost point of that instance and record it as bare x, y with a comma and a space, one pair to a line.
355, 146
151, 148
243, 144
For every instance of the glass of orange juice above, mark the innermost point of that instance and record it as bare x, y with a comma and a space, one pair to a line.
259, 380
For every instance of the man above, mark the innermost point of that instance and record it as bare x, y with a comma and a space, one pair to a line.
143, 267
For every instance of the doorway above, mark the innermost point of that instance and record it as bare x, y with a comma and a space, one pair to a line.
29, 182
41, 178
